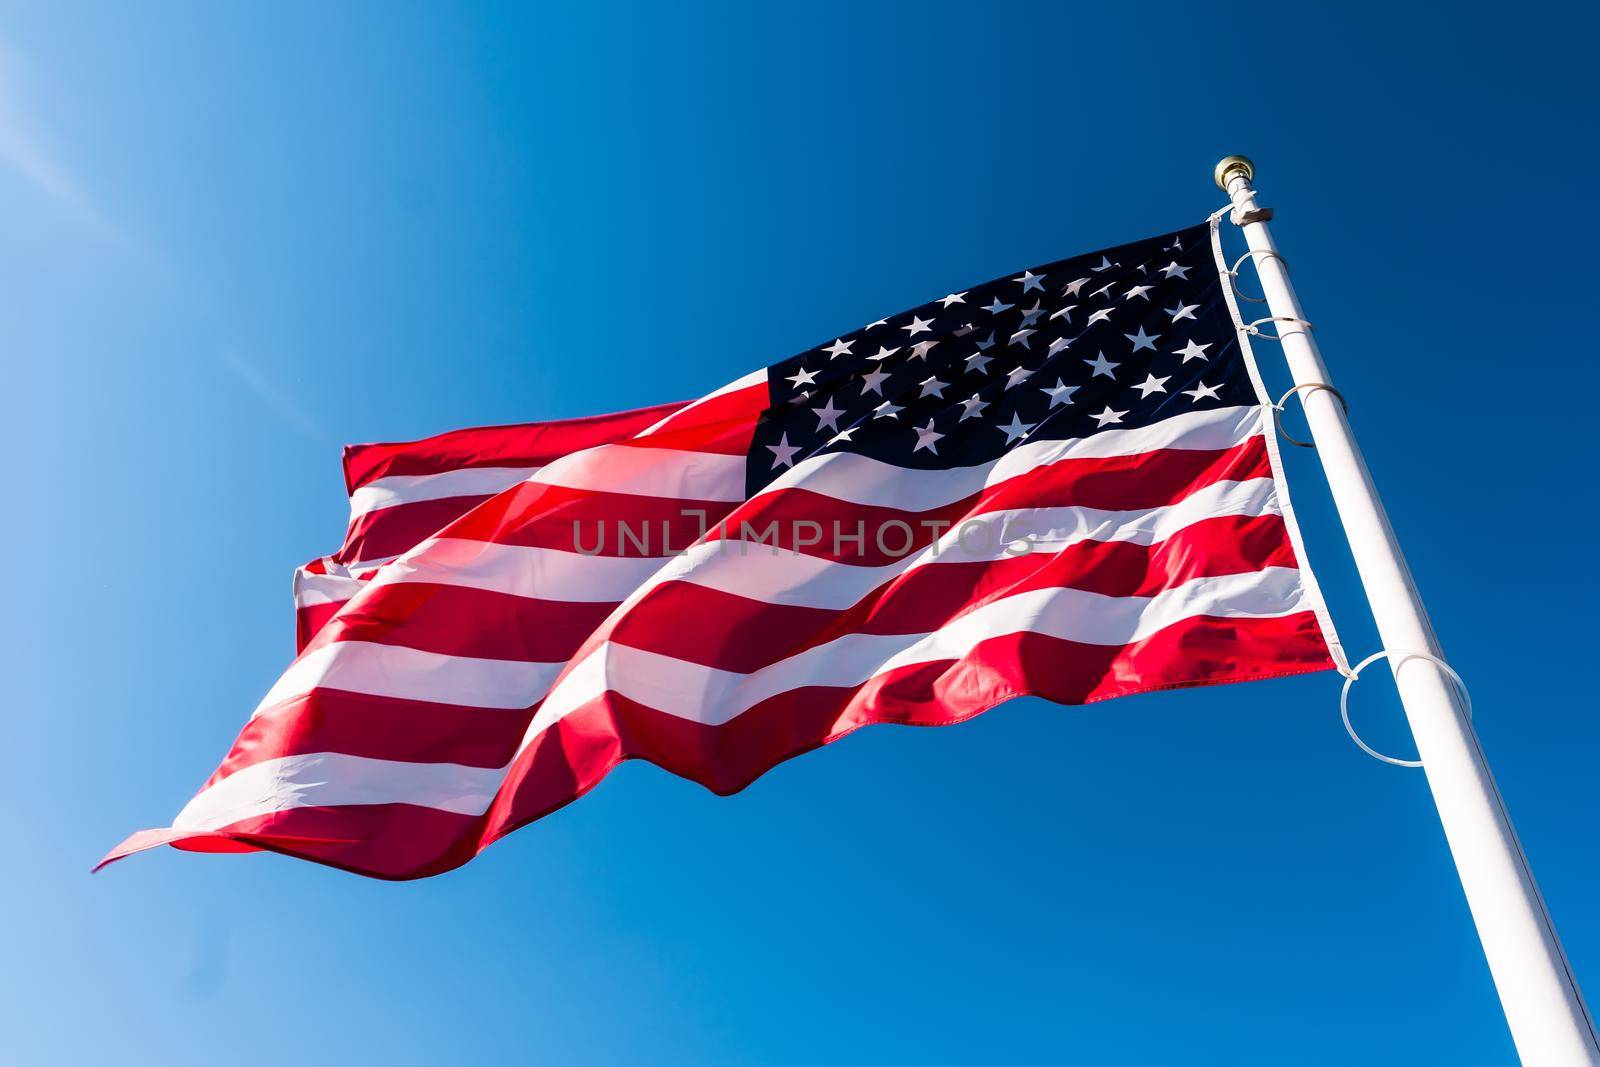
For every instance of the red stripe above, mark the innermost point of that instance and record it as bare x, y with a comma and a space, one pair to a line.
724, 437
527, 445
722, 424
460, 621
400, 528
356, 724
309, 620
393, 841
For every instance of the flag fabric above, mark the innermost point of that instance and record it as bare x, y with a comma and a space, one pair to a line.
1061, 483
401, 494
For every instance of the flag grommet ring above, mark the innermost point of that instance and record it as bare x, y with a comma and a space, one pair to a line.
1254, 328
1233, 272
1277, 409
1403, 654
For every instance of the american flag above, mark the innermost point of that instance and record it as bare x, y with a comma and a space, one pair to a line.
1061, 483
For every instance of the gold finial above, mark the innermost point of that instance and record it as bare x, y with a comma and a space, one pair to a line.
1225, 170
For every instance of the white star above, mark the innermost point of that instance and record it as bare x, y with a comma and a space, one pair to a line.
1022, 336
1173, 270
886, 410
1031, 315
1030, 280
839, 348
954, 298
872, 382
1152, 384
884, 353
783, 452
933, 387
1059, 394
1099, 316
1072, 287
1064, 313
984, 345
844, 434
1016, 376
1107, 417
805, 377
1202, 391
875, 325
916, 326
1057, 345
1139, 291
977, 361
972, 407
921, 348
1183, 311
927, 437
1105, 264
1143, 340
1175, 246
828, 416
1103, 290
1017, 430
968, 328
997, 307
1193, 351
1102, 366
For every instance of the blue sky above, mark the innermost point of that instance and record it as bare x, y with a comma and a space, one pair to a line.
235, 240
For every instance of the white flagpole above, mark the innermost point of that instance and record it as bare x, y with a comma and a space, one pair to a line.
1544, 1008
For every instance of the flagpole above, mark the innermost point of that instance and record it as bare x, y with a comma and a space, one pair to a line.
1544, 1008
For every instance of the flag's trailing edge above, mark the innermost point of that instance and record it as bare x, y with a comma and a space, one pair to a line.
1062, 483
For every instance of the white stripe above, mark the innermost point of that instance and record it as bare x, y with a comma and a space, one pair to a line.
661, 472
406, 673
542, 573
712, 696
311, 589
862, 480
755, 377
329, 779
781, 576
412, 488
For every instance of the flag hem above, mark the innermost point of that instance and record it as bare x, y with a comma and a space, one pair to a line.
1269, 432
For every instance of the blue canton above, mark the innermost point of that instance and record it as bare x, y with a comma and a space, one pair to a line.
1116, 339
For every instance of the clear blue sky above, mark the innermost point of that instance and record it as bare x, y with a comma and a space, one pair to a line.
231, 241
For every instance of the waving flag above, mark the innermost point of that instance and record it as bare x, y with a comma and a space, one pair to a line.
1061, 483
